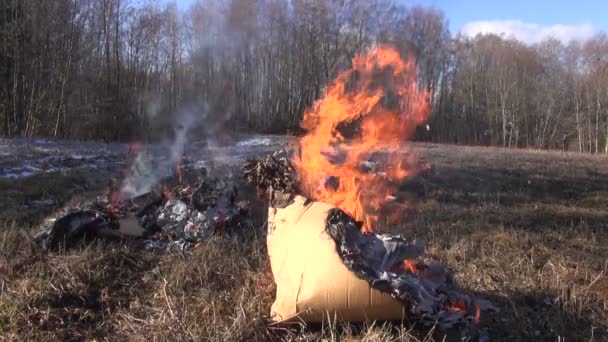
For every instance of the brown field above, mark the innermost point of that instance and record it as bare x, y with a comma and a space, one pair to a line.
525, 229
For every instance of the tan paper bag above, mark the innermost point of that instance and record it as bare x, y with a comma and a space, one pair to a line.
312, 282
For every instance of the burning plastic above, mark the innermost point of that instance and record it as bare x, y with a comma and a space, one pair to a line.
388, 263
353, 157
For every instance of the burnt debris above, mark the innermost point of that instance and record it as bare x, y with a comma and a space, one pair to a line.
171, 219
272, 173
391, 264
71, 225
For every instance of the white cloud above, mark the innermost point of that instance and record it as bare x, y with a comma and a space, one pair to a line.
529, 32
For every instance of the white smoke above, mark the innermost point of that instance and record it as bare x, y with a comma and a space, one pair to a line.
157, 161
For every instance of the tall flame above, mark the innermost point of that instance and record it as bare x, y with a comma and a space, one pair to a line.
370, 109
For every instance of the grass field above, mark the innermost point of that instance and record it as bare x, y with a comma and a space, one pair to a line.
525, 229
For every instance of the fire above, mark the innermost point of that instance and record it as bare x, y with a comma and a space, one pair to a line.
369, 110
462, 306
409, 265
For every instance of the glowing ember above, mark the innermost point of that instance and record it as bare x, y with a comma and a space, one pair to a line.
460, 305
370, 109
409, 266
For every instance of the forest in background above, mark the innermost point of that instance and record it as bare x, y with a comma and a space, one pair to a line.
118, 70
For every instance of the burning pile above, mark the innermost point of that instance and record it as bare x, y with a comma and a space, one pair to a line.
391, 264
168, 219
354, 157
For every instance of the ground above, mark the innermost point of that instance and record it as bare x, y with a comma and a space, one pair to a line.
525, 229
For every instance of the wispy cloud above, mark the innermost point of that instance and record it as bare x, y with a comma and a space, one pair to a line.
529, 32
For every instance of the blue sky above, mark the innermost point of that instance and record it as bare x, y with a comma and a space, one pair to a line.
529, 20
542, 12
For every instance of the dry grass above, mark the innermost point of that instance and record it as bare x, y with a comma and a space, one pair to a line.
526, 229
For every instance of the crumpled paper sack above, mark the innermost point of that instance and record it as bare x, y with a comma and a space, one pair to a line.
313, 284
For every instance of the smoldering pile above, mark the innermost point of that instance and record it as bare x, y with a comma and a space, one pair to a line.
391, 264
387, 262
170, 218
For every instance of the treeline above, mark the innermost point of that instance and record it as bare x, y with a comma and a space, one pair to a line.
121, 69
496, 91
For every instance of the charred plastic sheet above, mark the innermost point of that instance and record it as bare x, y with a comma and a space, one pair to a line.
72, 224
389, 263
171, 220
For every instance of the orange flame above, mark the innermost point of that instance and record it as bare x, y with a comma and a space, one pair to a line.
409, 265
462, 306
379, 102
459, 306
